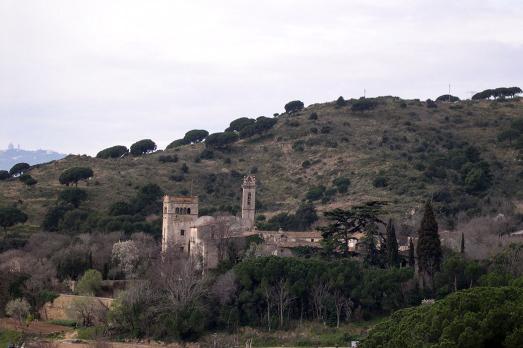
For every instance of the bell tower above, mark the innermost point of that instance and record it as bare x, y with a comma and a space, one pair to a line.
248, 201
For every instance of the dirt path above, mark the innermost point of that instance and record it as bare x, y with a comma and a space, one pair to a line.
35, 327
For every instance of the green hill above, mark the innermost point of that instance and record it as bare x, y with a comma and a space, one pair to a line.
401, 151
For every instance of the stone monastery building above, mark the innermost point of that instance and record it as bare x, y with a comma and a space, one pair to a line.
183, 230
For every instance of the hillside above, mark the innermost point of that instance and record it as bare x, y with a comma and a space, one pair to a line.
401, 152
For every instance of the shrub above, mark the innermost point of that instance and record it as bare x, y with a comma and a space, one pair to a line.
431, 104
90, 283
113, 152
325, 130
10, 216
380, 181
19, 169
364, 104
4, 175
342, 183
73, 196
206, 154
28, 179
306, 164
294, 106
195, 136
52, 218
185, 168
120, 208
315, 193
298, 146
177, 143
221, 140
75, 174
240, 123
261, 125
143, 147
313, 116
340, 102
168, 158
447, 98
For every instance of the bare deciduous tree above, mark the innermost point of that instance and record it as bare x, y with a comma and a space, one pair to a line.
319, 294
88, 311
182, 280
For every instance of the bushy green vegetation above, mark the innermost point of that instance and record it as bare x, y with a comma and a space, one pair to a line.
480, 317
113, 152
447, 98
143, 147
302, 220
221, 140
294, 106
74, 175
501, 92
19, 169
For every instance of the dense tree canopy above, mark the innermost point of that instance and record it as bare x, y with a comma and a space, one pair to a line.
4, 175
73, 196
19, 169
10, 216
345, 223
261, 125
501, 92
143, 147
240, 123
195, 136
364, 104
113, 152
294, 106
447, 98
221, 140
479, 317
75, 174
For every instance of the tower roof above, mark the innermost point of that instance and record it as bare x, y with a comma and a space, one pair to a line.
249, 181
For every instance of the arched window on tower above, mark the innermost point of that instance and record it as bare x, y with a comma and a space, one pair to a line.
249, 196
177, 210
189, 211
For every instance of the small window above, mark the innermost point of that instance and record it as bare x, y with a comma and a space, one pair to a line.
165, 210
184, 211
182, 232
249, 198
181, 249
177, 210
312, 240
189, 211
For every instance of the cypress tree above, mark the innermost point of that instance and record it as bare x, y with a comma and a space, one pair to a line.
412, 260
429, 246
462, 249
393, 259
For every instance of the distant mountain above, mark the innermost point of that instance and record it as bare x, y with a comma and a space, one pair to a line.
13, 155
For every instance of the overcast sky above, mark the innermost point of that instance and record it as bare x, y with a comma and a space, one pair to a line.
78, 76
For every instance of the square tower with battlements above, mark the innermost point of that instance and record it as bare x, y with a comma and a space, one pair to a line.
248, 201
179, 214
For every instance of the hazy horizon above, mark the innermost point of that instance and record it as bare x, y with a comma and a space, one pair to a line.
81, 76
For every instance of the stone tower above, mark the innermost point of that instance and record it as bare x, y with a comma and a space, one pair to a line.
248, 201
179, 214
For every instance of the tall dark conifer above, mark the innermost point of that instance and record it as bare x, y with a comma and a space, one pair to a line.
393, 259
429, 246
462, 249
412, 260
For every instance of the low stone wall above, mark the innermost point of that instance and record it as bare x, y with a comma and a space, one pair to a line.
57, 310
